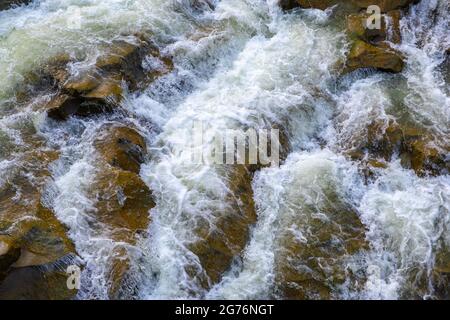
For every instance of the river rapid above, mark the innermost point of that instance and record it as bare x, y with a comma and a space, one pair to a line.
321, 220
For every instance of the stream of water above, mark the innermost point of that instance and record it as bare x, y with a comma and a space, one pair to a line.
240, 64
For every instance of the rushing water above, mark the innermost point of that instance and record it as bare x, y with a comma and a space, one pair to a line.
243, 63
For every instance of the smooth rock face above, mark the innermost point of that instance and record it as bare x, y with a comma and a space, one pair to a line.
36, 283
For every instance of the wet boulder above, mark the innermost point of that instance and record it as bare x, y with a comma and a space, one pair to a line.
366, 55
317, 4
390, 28
133, 62
61, 107
122, 147
123, 201
32, 240
314, 269
223, 241
48, 282
123, 210
137, 60
415, 147
385, 5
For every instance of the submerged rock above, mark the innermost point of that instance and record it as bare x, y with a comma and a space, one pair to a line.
123, 200
222, 243
123, 203
318, 235
415, 147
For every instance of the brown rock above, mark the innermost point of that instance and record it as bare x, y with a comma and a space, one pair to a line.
385, 5
365, 55
225, 241
317, 4
123, 209
415, 147
123, 203
317, 235
99, 89
126, 58
312, 269
31, 236
63, 106
37, 283
390, 28
443, 261
122, 147
220, 245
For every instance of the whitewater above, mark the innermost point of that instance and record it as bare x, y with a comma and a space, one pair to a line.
244, 64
